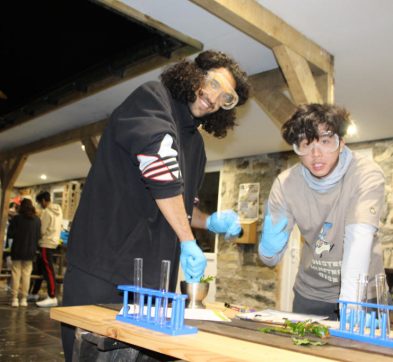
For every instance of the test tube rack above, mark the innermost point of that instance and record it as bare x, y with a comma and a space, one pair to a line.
143, 317
354, 327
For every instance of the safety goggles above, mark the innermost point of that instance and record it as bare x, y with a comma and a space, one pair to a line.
217, 84
328, 142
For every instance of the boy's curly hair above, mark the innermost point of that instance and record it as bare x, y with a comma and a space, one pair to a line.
185, 78
307, 118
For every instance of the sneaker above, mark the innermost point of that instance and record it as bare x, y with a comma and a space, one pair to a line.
48, 302
32, 297
15, 302
23, 302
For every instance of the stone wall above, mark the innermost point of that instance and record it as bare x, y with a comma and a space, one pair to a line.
241, 277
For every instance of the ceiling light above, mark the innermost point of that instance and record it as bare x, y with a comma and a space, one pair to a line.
43, 177
352, 130
83, 147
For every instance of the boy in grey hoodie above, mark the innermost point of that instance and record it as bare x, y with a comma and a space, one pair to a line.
51, 219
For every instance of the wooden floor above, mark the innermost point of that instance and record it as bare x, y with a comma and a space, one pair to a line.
27, 334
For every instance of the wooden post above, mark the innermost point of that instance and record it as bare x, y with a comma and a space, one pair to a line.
91, 144
9, 172
297, 72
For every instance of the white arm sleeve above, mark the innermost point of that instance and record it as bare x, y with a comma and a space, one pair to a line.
358, 241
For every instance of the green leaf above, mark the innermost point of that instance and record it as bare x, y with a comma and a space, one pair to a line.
306, 342
207, 279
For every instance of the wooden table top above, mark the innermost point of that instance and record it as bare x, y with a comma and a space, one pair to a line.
203, 346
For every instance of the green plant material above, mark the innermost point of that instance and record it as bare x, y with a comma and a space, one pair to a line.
276, 329
307, 342
206, 279
307, 327
300, 329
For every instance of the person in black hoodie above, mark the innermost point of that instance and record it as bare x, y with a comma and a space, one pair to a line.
25, 231
139, 197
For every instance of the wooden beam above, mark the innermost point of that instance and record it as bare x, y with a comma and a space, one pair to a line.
276, 105
60, 139
131, 13
129, 72
325, 85
298, 74
268, 91
261, 24
10, 170
91, 144
272, 79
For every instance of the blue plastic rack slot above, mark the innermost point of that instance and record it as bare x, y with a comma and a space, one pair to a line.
174, 326
355, 328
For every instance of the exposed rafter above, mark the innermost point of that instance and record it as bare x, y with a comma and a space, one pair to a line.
60, 139
298, 74
9, 172
261, 24
306, 68
90, 143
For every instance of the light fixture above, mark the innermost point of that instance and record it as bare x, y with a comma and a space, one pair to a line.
43, 177
352, 130
83, 147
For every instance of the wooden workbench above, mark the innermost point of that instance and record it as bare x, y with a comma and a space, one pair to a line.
206, 346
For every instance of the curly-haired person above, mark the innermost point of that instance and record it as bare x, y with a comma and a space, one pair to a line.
335, 197
138, 200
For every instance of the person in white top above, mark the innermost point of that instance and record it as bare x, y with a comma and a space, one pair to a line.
51, 219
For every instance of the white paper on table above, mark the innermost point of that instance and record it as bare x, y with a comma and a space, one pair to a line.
197, 314
276, 316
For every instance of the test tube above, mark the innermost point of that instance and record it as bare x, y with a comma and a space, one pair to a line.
164, 286
138, 282
362, 284
382, 298
361, 296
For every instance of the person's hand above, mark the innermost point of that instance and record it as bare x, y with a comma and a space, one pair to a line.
274, 237
192, 261
224, 222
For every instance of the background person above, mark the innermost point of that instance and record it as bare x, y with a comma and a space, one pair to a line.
138, 200
335, 196
51, 219
25, 231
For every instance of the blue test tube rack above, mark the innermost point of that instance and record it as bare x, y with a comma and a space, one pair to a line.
143, 317
355, 327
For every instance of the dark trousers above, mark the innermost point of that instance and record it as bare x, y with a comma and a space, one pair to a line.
81, 288
316, 307
45, 267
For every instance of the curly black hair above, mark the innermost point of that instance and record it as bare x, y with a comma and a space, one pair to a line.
185, 78
307, 117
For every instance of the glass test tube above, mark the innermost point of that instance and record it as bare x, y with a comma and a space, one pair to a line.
138, 282
382, 298
361, 296
164, 286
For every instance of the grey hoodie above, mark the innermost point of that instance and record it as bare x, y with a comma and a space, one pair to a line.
51, 219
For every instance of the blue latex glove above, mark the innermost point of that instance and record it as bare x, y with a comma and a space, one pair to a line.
274, 237
192, 261
224, 222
